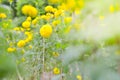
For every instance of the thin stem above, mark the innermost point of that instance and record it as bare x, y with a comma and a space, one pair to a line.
18, 74
43, 57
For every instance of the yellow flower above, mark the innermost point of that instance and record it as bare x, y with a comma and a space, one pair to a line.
26, 24
68, 20
49, 9
21, 43
46, 17
56, 70
23, 59
111, 8
34, 22
55, 22
55, 54
54, 10
3, 15
29, 36
58, 13
29, 10
79, 77
50, 15
28, 33
28, 39
62, 6
10, 49
28, 19
70, 4
16, 29
46, 30
22, 29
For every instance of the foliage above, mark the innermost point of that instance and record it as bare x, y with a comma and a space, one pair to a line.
59, 40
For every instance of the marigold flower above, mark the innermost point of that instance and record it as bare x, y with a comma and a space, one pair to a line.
112, 9
10, 49
3, 15
21, 43
68, 20
46, 30
34, 22
56, 70
29, 10
55, 22
58, 13
28, 19
16, 29
28, 39
79, 77
49, 9
26, 24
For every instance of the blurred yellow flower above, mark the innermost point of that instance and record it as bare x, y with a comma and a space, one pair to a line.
28, 18
26, 24
45, 17
29, 10
55, 22
50, 15
56, 70
79, 77
16, 29
21, 43
46, 30
3, 15
62, 6
58, 13
28, 33
28, 39
10, 49
67, 19
29, 36
111, 8
49, 9
34, 22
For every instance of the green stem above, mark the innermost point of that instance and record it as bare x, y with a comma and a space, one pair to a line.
18, 74
43, 57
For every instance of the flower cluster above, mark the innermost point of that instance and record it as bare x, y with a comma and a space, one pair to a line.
29, 10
